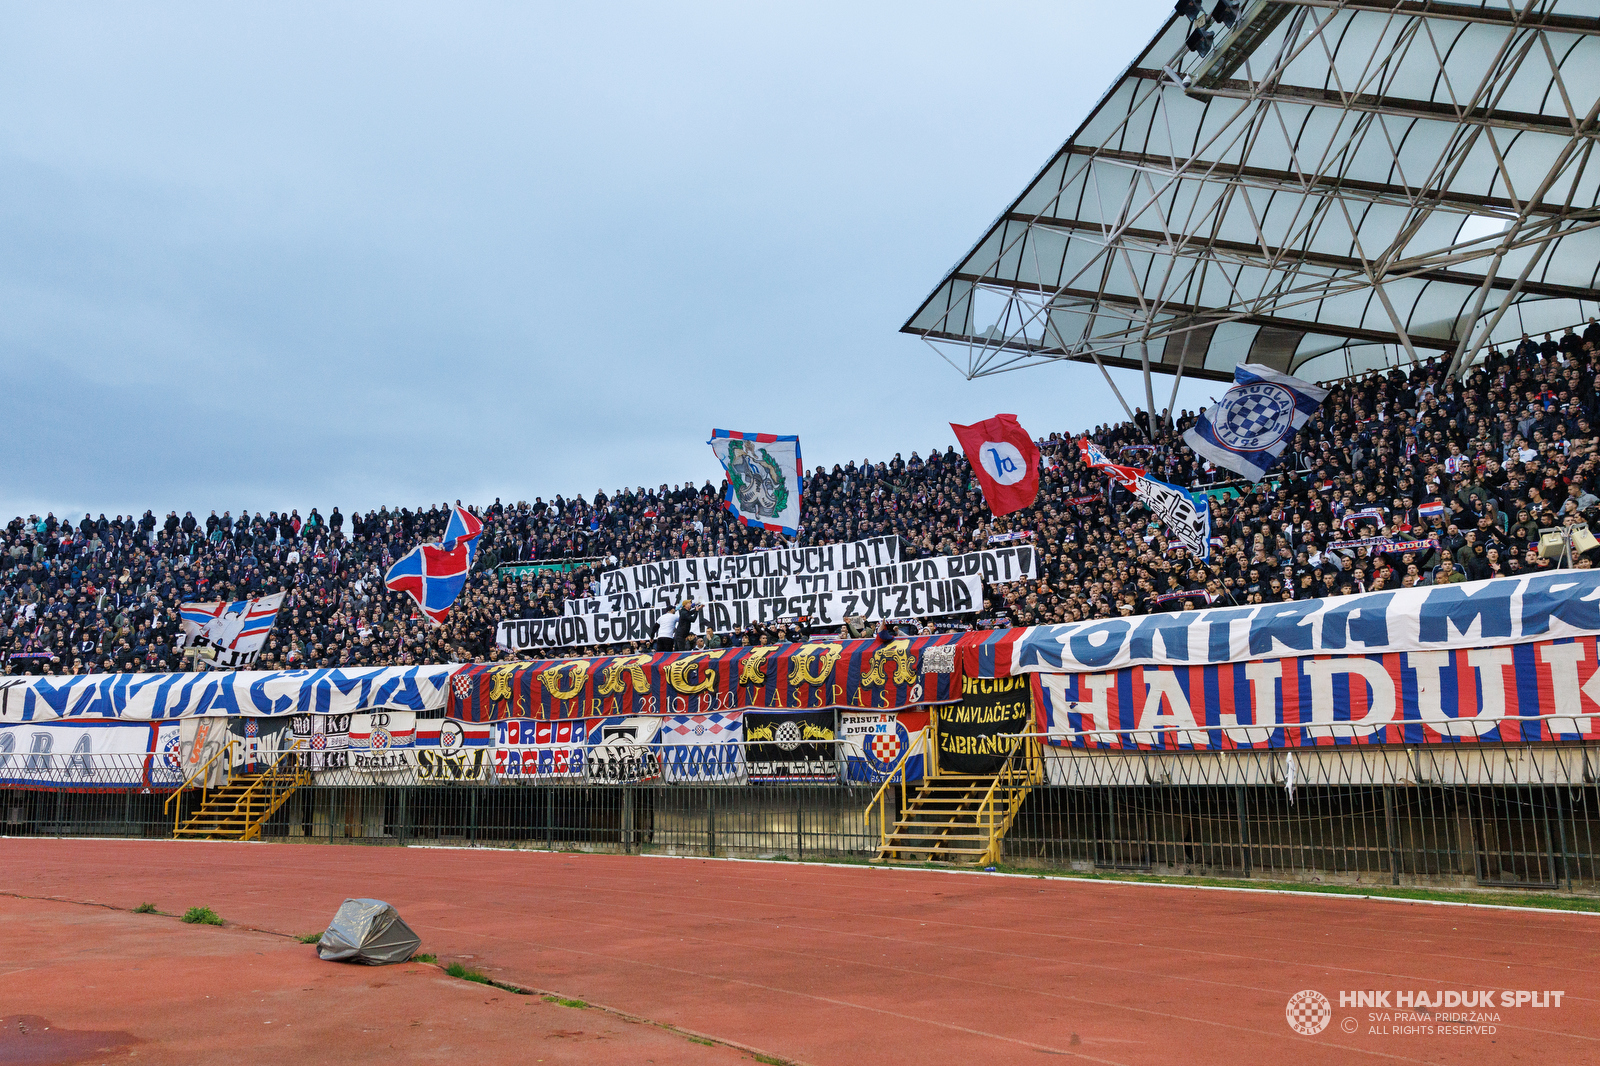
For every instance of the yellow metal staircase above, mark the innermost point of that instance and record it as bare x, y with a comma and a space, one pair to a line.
958, 819
239, 808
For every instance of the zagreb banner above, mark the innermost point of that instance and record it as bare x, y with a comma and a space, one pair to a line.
857, 674
1471, 614
1543, 691
825, 584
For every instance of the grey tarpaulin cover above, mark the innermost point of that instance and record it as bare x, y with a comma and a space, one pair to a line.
369, 931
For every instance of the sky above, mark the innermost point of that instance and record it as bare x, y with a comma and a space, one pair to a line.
295, 255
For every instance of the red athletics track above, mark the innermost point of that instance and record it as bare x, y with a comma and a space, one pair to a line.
828, 965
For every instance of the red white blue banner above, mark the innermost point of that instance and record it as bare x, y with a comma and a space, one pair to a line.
1471, 614
863, 675
697, 748
1541, 691
872, 745
90, 756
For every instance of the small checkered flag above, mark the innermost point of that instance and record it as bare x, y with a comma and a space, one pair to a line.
1250, 426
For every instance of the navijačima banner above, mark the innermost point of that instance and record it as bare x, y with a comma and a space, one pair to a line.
859, 674
219, 693
1543, 691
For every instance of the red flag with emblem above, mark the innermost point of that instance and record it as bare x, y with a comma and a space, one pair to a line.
1005, 461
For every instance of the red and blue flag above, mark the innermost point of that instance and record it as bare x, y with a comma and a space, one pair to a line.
434, 574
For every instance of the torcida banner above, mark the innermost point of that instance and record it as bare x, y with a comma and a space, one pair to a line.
825, 584
855, 674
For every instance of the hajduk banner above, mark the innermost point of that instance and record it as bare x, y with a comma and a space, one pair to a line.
321, 740
229, 636
383, 742
1471, 614
790, 746
825, 585
257, 742
1541, 691
1250, 426
862, 675
872, 745
90, 756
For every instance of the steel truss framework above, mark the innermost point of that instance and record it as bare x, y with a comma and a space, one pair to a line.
1338, 185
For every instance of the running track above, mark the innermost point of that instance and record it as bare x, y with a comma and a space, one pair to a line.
830, 965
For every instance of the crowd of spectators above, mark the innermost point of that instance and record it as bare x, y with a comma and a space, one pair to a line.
1446, 480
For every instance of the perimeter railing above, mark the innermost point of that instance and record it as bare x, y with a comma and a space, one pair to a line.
1451, 814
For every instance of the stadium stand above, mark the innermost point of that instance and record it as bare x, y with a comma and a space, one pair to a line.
1502, 455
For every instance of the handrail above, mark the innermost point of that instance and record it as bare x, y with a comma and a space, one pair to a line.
269, 776
987, 808
226, 749
890, 780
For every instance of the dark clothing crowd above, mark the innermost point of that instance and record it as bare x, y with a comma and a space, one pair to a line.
1402, 478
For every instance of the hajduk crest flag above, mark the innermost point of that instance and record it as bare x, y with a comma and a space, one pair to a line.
1004, 460
434, 574
763, 479
1250, 426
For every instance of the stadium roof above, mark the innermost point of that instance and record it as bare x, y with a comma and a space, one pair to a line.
1335, 185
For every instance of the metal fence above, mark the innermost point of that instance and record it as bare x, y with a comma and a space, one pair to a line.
1447, 815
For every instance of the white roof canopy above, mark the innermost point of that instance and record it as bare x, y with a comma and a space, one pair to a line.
1337, 185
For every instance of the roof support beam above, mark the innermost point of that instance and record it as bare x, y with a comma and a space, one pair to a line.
1186, 310
1271, 180
1449, 12
1267, 256
1396, 106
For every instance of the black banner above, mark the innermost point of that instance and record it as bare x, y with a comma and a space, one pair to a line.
974, 735
791, 746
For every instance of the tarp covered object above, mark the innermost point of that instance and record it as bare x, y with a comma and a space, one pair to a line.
368, 931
